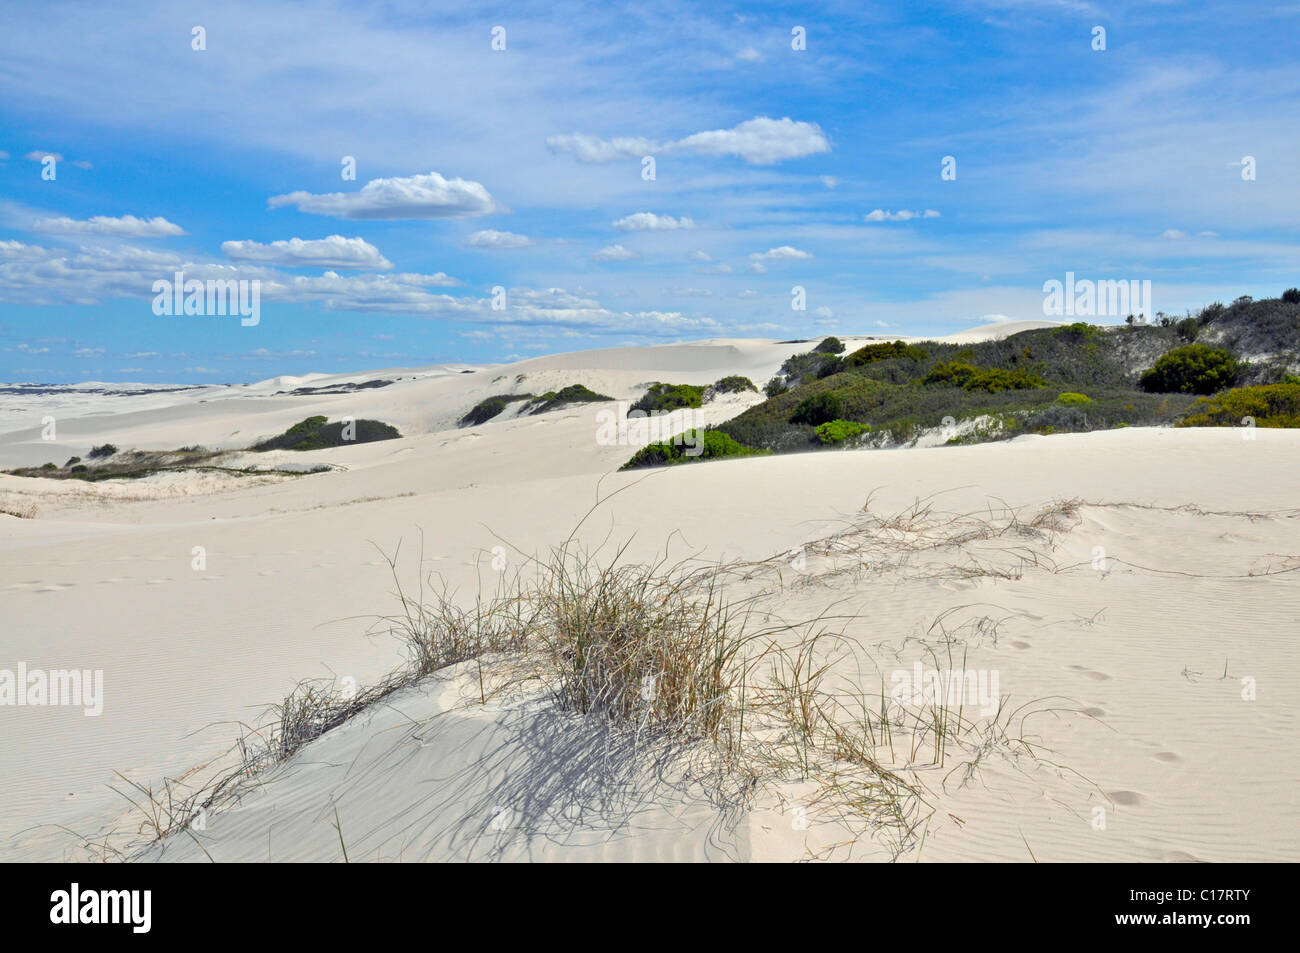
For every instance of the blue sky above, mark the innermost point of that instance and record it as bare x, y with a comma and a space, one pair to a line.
522, 169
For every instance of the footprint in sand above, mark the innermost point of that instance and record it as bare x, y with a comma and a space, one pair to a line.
54, 587
1125, 798
1095, 712
1020, 645
1089, 673
1167, 756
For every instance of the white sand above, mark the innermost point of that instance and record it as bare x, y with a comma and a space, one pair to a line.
102, 579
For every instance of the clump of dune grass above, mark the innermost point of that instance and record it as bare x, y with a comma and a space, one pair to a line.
24, 511
658, 648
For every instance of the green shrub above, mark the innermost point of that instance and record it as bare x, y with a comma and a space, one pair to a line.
1194, 369
1187, 329
818, 409
573, 394
1291, 296
774, 387
49, 466
490, 407
1073, 400
956, 373
994, 380
1078, 331
837, 431
830, 345
315, 433
80, 467
885, 352
1270, 405
712, 445
103, 450
666, 397
735, 384
72, 460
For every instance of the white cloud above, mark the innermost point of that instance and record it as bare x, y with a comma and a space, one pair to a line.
82, 164
1173, 234
490, 238
332, 252
829, 181
749, 55
416, 196
759, 141
902, 215
614, 253
126, 226
689, 292
782, 253
650, 222
37, 155
700, 256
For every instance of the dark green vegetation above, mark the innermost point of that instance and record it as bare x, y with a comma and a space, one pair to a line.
1072, 378
1194, 369
734, 384
135, 464
573, 394
316, 433
490, 407
669, 397
715, 445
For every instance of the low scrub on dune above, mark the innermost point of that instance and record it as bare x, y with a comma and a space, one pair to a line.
490, 407
1194, 369
991, 379
887, 351
1268, 405
668, 397
572, 394
316, 433
838, 431
734, 384
687, 448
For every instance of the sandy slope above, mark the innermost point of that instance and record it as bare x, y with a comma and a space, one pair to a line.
1157, 735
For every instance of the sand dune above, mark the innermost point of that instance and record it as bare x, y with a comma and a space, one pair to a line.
1133, 665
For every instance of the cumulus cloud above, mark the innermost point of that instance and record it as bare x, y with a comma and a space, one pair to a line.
759, 141
38, 155
614, 253
126, 226
489, 238
782, 253
650, 222
902, 215
749, 55
332, 252
416, 196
